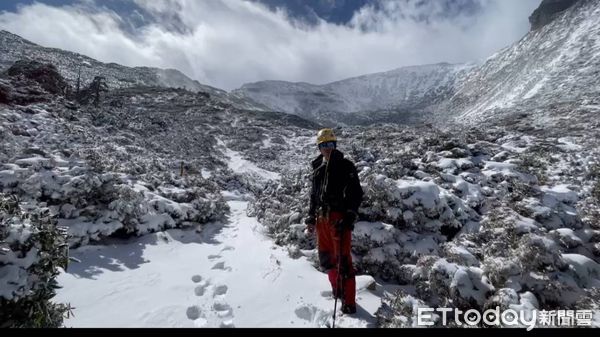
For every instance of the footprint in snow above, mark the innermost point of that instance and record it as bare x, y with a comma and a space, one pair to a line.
223, 310
220, 290
220, 313
327, 294
221, 266
312, 314
201, 289
202, 285
214, 257
193, 312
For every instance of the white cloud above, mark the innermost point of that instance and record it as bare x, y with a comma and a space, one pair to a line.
230, 42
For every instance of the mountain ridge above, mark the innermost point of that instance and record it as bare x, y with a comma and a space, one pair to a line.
554, 63
361, 99
14, 48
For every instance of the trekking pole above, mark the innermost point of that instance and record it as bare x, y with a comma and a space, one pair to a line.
339, 289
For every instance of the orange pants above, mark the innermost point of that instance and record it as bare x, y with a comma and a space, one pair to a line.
328, 244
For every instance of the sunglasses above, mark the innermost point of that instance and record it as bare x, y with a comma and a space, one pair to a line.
327, 145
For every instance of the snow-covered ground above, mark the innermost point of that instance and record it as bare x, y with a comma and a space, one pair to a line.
229, 275
504, 214
239, 165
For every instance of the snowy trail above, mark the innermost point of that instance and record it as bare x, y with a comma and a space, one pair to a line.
226, 276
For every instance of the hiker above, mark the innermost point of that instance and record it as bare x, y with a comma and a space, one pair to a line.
334, 201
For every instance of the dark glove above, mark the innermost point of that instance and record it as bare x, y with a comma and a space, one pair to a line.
310, 223
348, 221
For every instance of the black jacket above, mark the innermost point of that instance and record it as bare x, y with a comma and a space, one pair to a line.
335, 185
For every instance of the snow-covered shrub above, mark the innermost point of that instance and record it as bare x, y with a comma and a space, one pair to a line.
400, 311
32, 248
532, 164
596, 190
538, 253
595, 175
245, 184
523, 233
411, 204
190, 201
134, 209
27, 82
470, 220
503, 271
5, 89
96, 160
591, 300
377, 249
95, 205
459, 286
279, 210
502, 298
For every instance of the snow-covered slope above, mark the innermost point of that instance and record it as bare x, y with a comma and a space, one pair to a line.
557, 64
408, 87
13, 48
388, 96
550, 73
70, 65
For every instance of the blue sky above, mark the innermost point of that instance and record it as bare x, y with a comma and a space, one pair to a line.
226, 43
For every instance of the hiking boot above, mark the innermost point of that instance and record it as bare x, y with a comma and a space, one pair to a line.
349, 308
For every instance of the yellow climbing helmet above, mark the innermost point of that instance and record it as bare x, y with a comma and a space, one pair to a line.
326, 135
